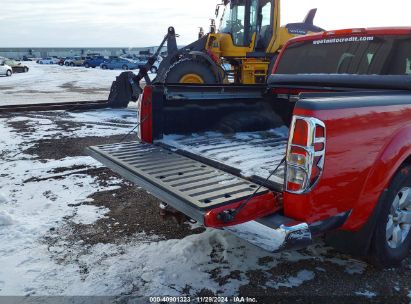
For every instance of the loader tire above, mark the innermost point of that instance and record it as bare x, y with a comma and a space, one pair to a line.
189, 70
121, 92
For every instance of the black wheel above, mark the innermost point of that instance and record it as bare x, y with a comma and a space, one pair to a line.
9, 73
189, 70
104, 67
153, 70
391, 242
125, 67
72, 64
26, 69
87, 65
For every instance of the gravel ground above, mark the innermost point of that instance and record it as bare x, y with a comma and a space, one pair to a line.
316, 274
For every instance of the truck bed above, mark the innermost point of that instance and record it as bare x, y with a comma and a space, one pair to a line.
252, 155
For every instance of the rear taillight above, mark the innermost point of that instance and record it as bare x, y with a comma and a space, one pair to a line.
305, 154
145, 109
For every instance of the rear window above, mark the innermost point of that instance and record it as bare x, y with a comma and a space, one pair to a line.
368, 55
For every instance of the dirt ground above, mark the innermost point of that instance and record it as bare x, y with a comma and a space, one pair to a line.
133, 211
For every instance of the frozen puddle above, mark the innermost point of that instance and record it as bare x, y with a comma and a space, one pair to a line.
254, 153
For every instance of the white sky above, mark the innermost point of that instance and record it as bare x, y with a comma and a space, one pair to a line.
128, 23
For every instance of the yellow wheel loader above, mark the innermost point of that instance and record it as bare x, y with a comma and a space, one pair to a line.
241, 51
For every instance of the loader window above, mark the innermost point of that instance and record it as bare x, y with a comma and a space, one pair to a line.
232, 22
265, 31
240, 20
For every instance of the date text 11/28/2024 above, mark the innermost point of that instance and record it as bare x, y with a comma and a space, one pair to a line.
202, 300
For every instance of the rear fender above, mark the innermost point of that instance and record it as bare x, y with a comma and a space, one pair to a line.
392, 156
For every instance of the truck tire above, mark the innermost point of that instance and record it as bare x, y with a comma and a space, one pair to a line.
189, 70
391, 241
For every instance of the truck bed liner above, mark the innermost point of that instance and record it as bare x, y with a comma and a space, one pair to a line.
188, 183
252, 154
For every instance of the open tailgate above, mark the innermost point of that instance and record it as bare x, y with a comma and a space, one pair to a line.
189, 186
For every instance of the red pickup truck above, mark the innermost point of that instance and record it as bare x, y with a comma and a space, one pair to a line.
323, 149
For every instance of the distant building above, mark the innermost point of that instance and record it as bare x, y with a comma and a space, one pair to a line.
18, 53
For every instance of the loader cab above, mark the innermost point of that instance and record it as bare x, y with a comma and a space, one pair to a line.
249, 22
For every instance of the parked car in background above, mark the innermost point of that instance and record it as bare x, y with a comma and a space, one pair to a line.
5, 69
16, 66
119, 63
94, 61
61, 61
48, 60
76, 61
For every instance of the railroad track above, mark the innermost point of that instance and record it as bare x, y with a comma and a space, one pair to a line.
71, 106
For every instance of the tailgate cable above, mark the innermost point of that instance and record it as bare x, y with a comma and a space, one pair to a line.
228, 216
128, 134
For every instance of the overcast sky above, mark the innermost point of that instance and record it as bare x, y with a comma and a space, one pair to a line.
129, 23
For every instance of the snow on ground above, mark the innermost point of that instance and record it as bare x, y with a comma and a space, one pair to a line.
366, 293
54, 83
38, 196
254, 153
90, 123
87, 215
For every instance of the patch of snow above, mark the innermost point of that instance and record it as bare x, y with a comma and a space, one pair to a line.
294, 281
366, 293
6, 219
88, 214
254, 153
36, 195
3, 199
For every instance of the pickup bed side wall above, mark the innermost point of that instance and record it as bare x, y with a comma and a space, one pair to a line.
187, 110
365, 146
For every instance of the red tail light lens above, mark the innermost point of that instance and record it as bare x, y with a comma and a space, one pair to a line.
300, 133
305, 154
145, 115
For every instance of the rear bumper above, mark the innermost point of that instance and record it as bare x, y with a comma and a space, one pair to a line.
277, 233
273, 240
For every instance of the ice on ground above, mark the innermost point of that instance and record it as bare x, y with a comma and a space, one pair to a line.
5, 218
293, 281
254, 153
88, 214
366, 293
